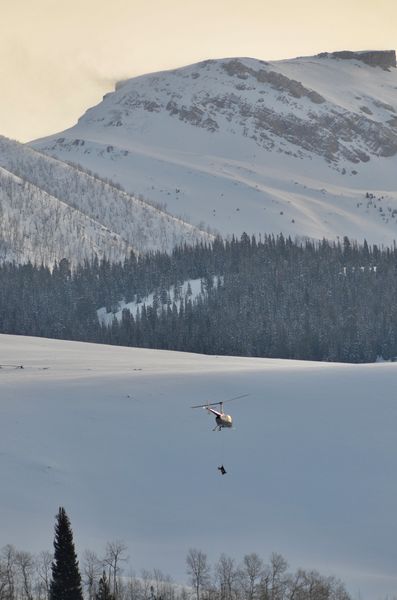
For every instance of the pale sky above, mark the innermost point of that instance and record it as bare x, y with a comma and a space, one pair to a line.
58, 57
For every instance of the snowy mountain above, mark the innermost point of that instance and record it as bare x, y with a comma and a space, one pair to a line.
108, 433
50, 210
305, 146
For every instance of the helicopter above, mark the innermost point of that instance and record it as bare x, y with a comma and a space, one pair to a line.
221, 418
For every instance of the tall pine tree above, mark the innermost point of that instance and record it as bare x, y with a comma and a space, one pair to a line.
66, 578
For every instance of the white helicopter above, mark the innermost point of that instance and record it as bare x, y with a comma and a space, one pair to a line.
221, 418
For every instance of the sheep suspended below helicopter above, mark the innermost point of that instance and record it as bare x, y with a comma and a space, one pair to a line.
221, 418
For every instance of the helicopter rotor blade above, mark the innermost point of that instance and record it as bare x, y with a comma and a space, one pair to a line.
220, 402
205, 405
235, 398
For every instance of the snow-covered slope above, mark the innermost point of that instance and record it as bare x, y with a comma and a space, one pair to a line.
50, 210
243, 144
108, 433
39, 228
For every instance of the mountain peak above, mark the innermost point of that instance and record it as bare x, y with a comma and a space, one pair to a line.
248, 145
374, 58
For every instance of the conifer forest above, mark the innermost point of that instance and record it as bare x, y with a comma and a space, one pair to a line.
267, 297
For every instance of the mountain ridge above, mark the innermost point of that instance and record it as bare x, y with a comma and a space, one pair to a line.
51, 210
374, 58
242, 144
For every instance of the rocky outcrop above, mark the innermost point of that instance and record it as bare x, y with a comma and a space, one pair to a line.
276, 80
375, 58
265, 103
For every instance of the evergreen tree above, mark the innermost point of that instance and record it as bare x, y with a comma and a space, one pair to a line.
66, 578
104, 589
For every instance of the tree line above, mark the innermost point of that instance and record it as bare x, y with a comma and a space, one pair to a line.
57, 576
271, 297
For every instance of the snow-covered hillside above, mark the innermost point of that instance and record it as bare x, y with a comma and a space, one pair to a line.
305, 146
108, 433
50, 210
188, 290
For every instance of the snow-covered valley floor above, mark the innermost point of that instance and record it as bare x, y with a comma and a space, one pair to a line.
109, 434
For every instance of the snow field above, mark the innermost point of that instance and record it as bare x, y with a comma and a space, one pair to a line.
231, 178
108, 433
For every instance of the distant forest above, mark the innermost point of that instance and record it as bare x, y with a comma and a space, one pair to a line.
270, 297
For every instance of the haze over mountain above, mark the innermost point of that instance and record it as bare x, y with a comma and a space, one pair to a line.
305, 146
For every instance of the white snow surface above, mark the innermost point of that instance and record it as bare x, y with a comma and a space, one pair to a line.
50, 210
108, 433
196, 289
247, 145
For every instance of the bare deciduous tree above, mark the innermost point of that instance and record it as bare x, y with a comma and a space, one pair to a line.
8, 559
25, 577
278, 578
114, 554
226, 576
198, 570
25, 566
43, 569
92, 571
250, 573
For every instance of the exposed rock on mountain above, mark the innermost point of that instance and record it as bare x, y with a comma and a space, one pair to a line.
260, 101
241, 144
375, 58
